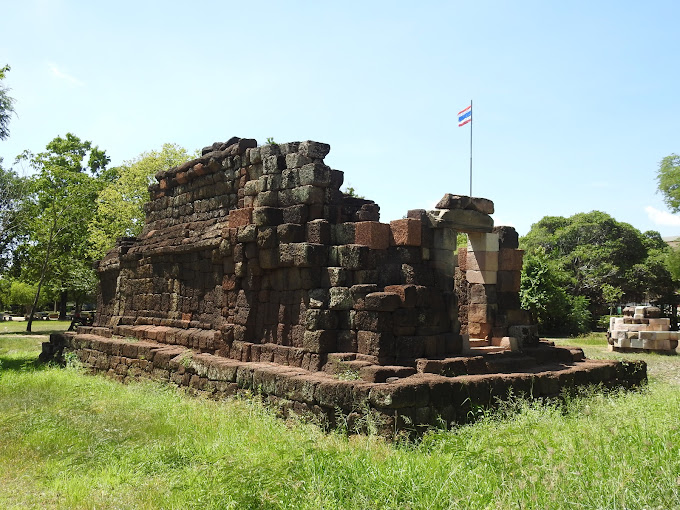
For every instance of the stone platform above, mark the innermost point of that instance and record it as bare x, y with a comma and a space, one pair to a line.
349, 387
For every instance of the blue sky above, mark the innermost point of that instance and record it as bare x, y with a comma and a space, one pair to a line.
575, 103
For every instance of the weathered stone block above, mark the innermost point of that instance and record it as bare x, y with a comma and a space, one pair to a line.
290, 233
374, 343
273, 164
408, 294
321, 319
354, 256
483, 277
343, 233
297, 160
309, 255
319, 232
481, 313
510, 259
507, 237
315, 174
382, 301
482, 294
479, 242
373, 234
405, 232
482, 261
508, 281
340, 298
372, 321
320, 341
246, 234
461, 220
479, 329
240, 217
315, 150
308, 195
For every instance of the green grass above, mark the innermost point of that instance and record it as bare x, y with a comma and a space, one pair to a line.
37, 327
68, 440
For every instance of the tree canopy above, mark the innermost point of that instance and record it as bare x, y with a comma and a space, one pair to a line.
668, 180
70, 173
119, 211
6, 105
602, 259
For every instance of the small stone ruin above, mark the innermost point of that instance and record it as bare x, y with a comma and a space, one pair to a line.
255, 272
642, 329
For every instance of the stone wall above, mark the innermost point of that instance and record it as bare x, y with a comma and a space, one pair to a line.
259, 250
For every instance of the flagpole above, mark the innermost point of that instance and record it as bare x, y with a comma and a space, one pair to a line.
471, 148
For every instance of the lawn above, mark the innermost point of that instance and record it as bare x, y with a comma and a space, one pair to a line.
68, 440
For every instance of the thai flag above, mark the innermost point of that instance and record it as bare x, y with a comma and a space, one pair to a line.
465, 116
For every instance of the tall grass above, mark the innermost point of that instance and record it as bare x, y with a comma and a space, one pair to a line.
68, 440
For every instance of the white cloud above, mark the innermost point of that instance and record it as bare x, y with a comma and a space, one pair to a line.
662, 217
64, 76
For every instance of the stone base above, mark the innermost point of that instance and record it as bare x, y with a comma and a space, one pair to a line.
352, 387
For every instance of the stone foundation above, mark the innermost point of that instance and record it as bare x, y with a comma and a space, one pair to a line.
434, 393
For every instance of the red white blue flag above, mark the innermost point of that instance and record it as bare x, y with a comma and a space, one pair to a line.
465, 116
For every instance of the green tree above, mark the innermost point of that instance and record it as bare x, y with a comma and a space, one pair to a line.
119, 205
22, 294
611, 295
12, 190
596, 254
668, 180
69, 176
6, 105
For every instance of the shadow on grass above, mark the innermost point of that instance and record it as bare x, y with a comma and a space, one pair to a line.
46, 332
27, 363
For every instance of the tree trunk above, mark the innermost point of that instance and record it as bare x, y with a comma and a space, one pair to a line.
63, 298
43, 272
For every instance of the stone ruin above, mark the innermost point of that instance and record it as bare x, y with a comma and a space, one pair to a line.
255, 272
642, 329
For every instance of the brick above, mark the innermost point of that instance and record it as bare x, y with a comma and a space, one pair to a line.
354, 256
482, 294
267, 216
483, 277
343, 233
309, 255
373, 234
508, 281
408, 294
479, 329
295, 214
320, 341
290, 233
482, 242
480, 313
321, 319
382, 301
375, 343
510, 260
340, 298
482, 261
319, 232
315, 150
405, 232
507, 237
315, 174
240, 217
